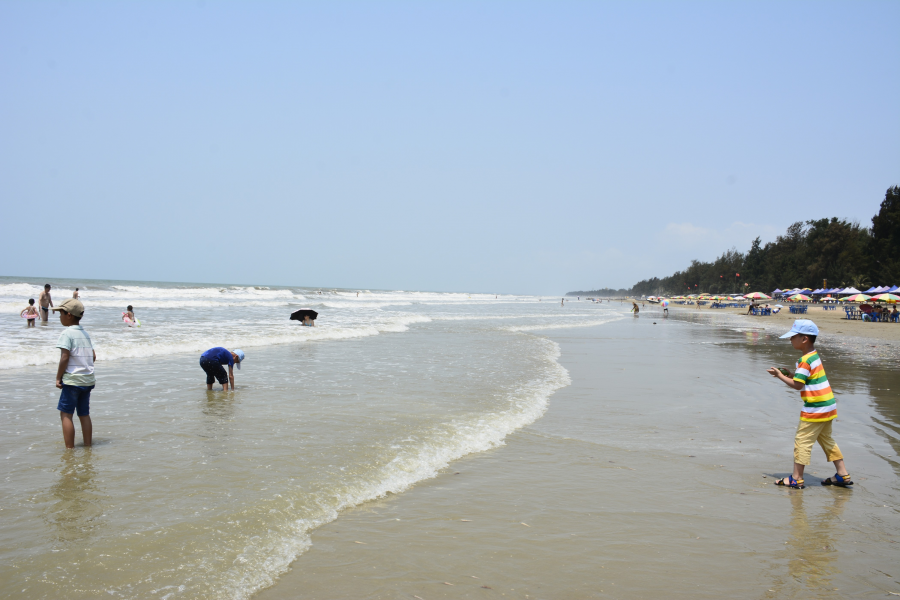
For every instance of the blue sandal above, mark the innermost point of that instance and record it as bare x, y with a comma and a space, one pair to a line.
838, 480
797, 484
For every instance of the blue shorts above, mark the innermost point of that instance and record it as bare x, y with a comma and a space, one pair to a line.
75, 397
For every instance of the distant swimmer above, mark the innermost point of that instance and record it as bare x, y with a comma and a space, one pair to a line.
30, 314
75, 294
635, 308
212, 362
46, 303
129, 317
562, 302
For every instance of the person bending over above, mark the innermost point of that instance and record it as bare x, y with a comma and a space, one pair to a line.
212, 362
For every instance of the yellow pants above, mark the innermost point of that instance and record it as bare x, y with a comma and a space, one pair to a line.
809, 433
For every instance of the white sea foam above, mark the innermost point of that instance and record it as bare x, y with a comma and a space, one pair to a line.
584, 323
179, 339
430, 430
271, 555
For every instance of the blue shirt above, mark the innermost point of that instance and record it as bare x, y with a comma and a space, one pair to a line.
219, 355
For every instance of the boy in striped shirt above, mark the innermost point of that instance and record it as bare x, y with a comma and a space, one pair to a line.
819, 407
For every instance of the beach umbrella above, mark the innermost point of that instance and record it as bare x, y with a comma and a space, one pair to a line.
886, 298
304, 312
664, 303
857, 298
798, 297
758, 296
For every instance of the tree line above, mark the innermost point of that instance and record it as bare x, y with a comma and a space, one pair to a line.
817, 253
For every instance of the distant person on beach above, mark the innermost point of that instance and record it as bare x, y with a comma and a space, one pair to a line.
635, 308
819, 408
46, 303
308, 321
75, 374
30, 313
562, 302
129, 315
75, 294
212, 362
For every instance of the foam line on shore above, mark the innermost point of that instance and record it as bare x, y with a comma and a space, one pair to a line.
263, 561
109, 348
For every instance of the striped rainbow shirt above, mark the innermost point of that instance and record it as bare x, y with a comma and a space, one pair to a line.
818, 400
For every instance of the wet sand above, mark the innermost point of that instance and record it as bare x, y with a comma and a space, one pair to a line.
649, 477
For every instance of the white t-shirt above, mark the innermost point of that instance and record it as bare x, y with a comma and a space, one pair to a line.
80, 370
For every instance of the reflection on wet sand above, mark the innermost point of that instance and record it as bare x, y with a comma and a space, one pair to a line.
219, 404
812, 552
218, 424
77, 510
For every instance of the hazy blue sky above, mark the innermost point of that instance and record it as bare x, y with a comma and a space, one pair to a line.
499, 146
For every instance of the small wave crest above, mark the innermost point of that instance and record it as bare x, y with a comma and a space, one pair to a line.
271, 555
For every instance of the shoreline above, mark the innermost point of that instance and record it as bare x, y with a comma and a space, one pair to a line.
832, 323
599, 499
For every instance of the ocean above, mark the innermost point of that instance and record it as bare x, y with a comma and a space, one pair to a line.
433, 445
197, 494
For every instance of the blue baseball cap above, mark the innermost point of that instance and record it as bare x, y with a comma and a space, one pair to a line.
240, 355
803, 326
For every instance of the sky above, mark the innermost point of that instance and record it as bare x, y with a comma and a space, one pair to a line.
499, 147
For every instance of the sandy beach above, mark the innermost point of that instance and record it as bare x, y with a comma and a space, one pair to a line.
830, 322
429, 445
640, 487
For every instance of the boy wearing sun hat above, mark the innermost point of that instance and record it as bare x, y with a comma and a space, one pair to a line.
212, 362
75, 374
819, 407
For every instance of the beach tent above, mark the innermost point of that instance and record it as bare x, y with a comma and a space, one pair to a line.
777, 292
857, 298
850, 290
894, 289
872, 290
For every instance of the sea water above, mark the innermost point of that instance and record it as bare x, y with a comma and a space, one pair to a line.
190, 493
